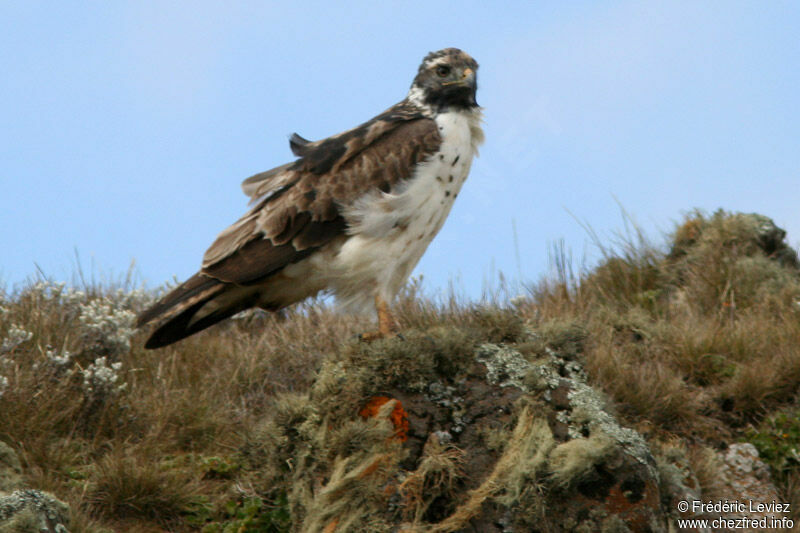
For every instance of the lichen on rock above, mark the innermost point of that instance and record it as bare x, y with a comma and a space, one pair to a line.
493, 440
504, 366
34, 511
26, 510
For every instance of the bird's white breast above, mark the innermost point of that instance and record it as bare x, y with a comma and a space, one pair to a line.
390, 232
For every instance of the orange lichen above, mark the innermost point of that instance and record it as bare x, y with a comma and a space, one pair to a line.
398, 416
331, 527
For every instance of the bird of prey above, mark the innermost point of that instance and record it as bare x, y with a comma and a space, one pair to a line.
352, 215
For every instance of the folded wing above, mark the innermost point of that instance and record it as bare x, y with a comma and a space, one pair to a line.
297, 210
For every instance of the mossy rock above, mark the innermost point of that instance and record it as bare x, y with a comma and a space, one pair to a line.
747, 234
435, 432
32, 511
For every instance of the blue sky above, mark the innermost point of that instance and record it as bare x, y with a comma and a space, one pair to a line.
128, 126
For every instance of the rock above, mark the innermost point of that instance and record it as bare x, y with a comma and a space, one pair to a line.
603, 475
26, 510
771, 239
464, 438
748, 232
747, 478
32, 511
679, 484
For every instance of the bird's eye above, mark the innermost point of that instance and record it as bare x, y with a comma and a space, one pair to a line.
442, 70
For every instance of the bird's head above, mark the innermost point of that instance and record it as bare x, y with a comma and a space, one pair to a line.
446, 79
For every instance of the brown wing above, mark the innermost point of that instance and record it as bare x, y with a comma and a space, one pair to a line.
299, 205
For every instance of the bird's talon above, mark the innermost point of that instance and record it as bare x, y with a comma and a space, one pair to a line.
370, 336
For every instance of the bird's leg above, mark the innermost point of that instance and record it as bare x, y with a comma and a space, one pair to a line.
386, 322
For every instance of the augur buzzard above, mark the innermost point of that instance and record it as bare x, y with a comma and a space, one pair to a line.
352, 215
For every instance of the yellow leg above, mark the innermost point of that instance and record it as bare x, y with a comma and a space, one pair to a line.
386, 322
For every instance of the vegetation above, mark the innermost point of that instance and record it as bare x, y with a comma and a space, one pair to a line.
695, 343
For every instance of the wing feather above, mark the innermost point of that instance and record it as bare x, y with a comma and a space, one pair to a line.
265, 184
299, 205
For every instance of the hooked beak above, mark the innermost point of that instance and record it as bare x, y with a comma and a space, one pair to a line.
467, 78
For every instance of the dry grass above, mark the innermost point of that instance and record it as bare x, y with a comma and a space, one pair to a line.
703, 332
133, 454
696, 340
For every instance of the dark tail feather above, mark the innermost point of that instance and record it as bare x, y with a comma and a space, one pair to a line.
175, 313
298, 144
182, 326
198, 285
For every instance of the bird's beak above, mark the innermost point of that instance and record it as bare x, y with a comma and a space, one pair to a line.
468, 77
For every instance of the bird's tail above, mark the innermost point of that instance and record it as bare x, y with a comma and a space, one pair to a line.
199, 302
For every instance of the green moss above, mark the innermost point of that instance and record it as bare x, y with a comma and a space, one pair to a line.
252, 515
778, 442
572, 461
527, 455
497, 325
219, 467
567, 337
759, 279
734, 260
331, 463
388, 363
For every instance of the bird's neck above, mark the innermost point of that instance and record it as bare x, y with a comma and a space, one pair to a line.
417, 97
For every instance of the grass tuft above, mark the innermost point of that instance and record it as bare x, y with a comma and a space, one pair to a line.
130, 486
254, 424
